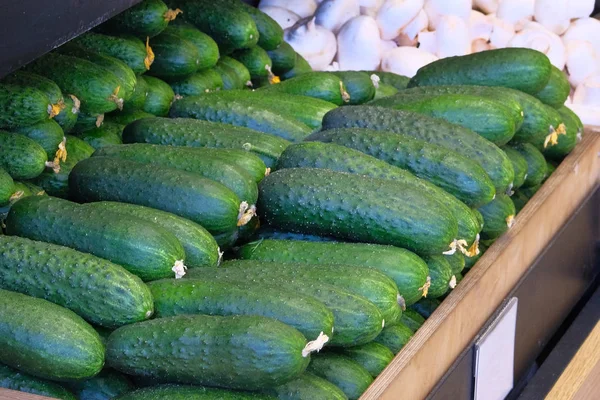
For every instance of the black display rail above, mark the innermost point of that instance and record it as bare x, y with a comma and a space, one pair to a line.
31, 28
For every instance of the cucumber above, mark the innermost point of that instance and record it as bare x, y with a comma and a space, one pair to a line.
208, 49
239, 72
519, 166
20, 156
192, 349
47, 134
408, 271
386, 218
7, 187
96, 87
456, 261
301, 66
255, 59
346, 374
369, 283
182, 193
568, 141
441, 277
550, 168
174, 56
222, 297
201, 250
229, 78
143, 248
204, 162
412, 319
244, 160
498, 215
449, 136
489, 118
128, 49
384, 90
229, 24
107, 385
266, 232
148, 18
195, 133
21, 190
43, 84
22, 106
519, 199
159, 98
556, 91
270, 34
138, 97
107, 135
126, 117
181, 392
46, 340
240, 112
226, 240
358, 85
282, 57
373, 357
530, 191
536, 164
343, 159
425, 307
86, 121
399, 82
470, 261
13, 379
307, 386
457, 175
321, 85
67, 117
394, 337
201, 82
523, 69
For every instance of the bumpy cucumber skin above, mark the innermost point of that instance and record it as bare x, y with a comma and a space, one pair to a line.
441, 274
321, 85
108, 384
457, 175
13, 379
48, 134
128, 49
323, 202
343, 372
67, 117
358, 85
159, 98
197, 133
270, 34
517, 68
31, 80
556, 91
344, 159
127, 117
87, 121
228, 76
568, 141
384, 90
20, 156
46, 340
182, 193
412, 319
519, 166
536, 164
266, 232
456, 261
255, 59
175, 57
198, 83
498, 216
138, 97
400, 82
143, 248
142, 20
22, 106
373, 357
192, 349
449, 136
301, 66
283, 58
408, 270
394, 337
7, 186
222, 297
181, 392
307, 386
107, 135
207, 47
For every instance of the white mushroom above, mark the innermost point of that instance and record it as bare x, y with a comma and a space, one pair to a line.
582, 61
480, 26
359, 44
406, 60
553, 15
370, 7
517, 12
486, 6
536, 37
304, 8
427, 41
588, 93
315, 43
502, 32
411, 31
332, 14
435, 9
584, 29
480, 45
452, 37
284, 17
394, 15
581, 8
387, 45
589, 115
333, 67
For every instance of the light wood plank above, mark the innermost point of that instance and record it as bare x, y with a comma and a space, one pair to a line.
6, 394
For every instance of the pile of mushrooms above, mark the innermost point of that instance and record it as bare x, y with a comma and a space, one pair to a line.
401, 36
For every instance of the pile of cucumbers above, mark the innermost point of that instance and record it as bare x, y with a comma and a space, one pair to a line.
188, 211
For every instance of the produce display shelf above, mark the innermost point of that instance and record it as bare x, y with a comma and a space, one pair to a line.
448, 333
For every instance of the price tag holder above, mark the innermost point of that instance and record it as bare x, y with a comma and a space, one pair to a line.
495, 354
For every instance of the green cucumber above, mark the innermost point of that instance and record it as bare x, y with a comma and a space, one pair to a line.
67, 117
143, 248
159, 98
13, 379
128, 49
442, 278
373, 357
266, 232
321, 85
20, 156
518, 68
262, 352
138, 97
181, 392
107, 385
519, 200
536, 164
449, 136
556, 91
47, 340
470, 261
530, 191
358, 84
242, 112
394, 337
201, 250
519, 166
550, 168
384, 218
182, 193
369, 283
412, 319
47, 134
238, 72
301, 66
568, 141
229, 24
201, 82
283, 58
270, 34
87, 121
96, 87
399, 82
307, 386
22, 106
456, 261
459, 176
255, 59
229, 78
221, 297
7, 187
126, 117
208, 49
244, 160
345, 373
108, 134
43, 84
227, 240
426, 306
148, 18
408, 271
344, 159
384, 90
174, 56
195, 133
498, 215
